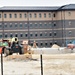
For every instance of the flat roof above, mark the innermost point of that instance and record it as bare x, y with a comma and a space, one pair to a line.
28, 8
38, 8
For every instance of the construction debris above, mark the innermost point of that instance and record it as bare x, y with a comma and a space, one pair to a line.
19, 57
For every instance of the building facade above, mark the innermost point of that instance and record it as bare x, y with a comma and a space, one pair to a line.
45, 25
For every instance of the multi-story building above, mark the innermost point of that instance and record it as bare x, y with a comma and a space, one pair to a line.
45, 25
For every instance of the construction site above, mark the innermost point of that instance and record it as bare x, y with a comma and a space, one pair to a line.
37, 40
56, 60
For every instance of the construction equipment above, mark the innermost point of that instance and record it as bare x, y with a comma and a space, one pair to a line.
26, 47
10, 47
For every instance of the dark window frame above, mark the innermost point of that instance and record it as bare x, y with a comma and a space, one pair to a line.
35, 15
25, 15
21, 35
15, 15
10, 15
20, 15
0, 15
40, 15
5, 15
44, 15
11, 35
30, 15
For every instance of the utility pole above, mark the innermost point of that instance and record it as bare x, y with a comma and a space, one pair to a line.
41, 60
1, 63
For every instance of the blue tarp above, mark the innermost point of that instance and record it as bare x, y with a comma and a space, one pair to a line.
70, 42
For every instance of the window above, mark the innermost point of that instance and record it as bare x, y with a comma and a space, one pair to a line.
30, 24
40, 34
36, 34
26, 25
16, 35
6, 36
10, 15
25, 15
69, 22
35, 24
20, 25
5, 16
5, 25
49, 15
50, 34
40, 15
55, 42
45, 44
70, 41
31, 35
0, 35
0, 26
44, 15
45, 33
15, 15
50, 43
11, 26
50, 24
45, 24
40, 24
54, 33
20, 15
69, 13
21, 35
11, 35
35, 15
41, 43
26, 35
0, 15
70, 32
54, 24
30, 15
15, 25
54, 15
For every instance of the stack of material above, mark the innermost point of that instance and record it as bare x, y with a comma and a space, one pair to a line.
34, 45
55, 46
19, 57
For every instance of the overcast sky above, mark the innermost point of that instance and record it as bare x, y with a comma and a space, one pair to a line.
35, 2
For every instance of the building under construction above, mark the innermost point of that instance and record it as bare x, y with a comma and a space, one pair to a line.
45, 25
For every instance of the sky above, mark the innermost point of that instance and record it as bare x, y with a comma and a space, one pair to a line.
35, 2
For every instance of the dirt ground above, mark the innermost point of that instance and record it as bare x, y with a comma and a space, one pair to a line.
53, 64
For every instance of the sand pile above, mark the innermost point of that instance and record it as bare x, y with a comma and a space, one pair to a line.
55, 46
